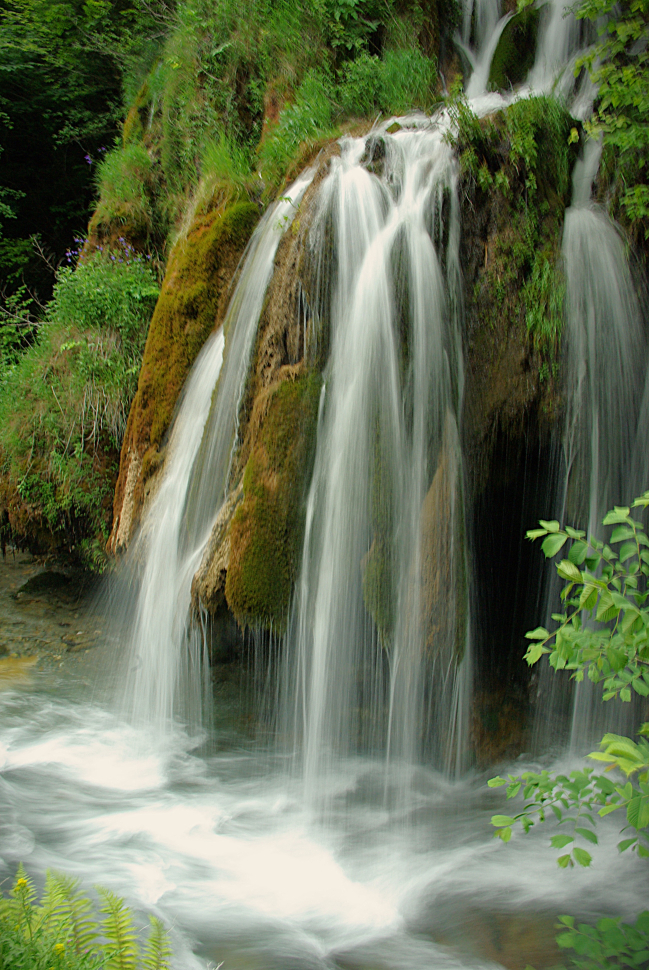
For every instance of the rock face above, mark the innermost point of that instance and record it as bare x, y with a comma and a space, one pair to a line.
192, 303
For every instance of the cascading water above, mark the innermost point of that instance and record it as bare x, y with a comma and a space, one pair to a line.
166, 670
385, 514
604, 447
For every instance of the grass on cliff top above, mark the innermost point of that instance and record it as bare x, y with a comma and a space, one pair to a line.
237, 88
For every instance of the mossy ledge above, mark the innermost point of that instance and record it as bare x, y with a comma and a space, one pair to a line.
267, 527
515, 186
192, 302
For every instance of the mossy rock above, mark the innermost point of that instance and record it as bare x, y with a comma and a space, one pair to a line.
193, 299
514, 56
268, 526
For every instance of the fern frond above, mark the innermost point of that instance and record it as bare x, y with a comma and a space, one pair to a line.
118, 929
70, 911
157, 952
23, 887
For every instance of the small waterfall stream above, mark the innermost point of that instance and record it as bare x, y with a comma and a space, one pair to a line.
166, 663
606, 364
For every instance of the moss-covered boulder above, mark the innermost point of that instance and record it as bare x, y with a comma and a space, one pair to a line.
267, 527
514, 55
193, 300
515, 187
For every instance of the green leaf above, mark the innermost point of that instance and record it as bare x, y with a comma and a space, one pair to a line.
621, 533
540, 633
626, 844
640, 687
552, 526
568, 570
504, 834
496, 782
582, 857
587, 834
588, 597
564, 861
502, 820
618, 514
575, 533
627, 550
535, 652
536, 533
578, 552
552, 544
561, 841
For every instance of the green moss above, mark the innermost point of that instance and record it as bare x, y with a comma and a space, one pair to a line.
135, 123
267, 528
199, 270
514, 56
378, 587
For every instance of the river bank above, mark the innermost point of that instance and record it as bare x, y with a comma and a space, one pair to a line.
48, 617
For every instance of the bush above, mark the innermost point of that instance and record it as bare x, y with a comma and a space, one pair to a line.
602, 633
64, 405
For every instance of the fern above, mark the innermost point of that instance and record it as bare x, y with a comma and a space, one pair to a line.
119, 931
69, 912
157, 952
62, 930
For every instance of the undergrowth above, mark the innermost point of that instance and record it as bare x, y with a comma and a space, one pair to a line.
62, 931
64, 404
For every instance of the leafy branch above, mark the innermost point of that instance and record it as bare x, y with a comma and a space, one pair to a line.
603, 634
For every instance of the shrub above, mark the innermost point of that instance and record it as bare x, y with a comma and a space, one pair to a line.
64, 405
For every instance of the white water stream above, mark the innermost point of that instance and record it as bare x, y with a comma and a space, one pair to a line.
220, 844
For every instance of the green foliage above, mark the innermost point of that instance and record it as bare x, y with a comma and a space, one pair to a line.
607, 945
604, 635
308, 118
62, 932
619, 64
604, 631
62, 67
64, 405
396, 83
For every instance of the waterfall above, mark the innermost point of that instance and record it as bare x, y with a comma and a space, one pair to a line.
605, 449
166, 662
605, 373
380, 607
